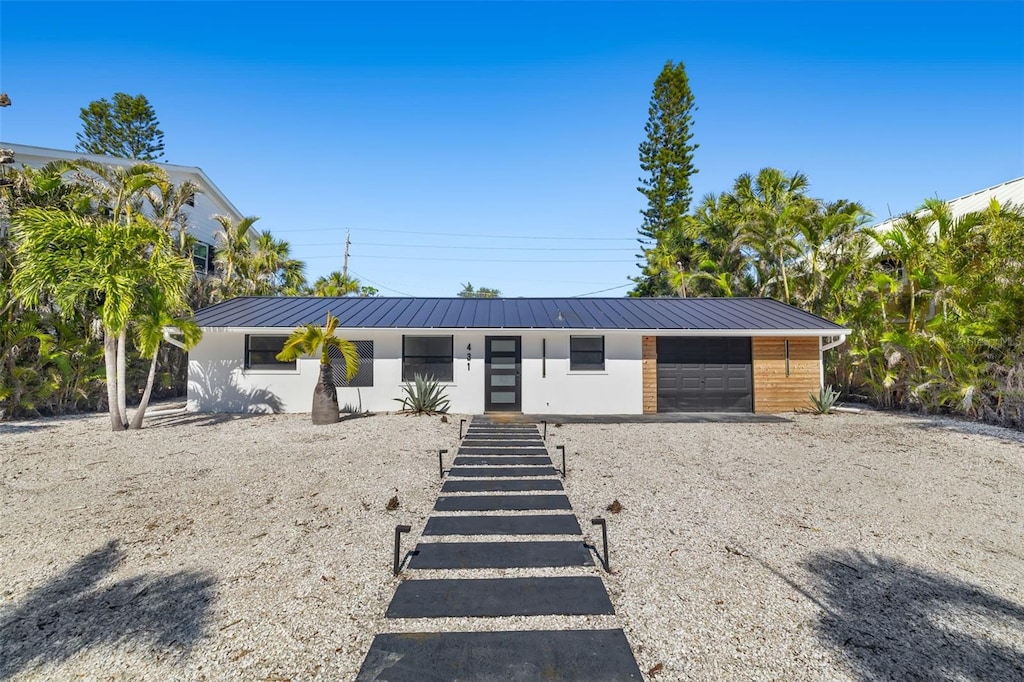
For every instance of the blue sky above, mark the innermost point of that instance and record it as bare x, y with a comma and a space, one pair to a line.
496, 143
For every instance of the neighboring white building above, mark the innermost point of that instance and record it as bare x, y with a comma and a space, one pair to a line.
1009, 192
535, 356
209, 202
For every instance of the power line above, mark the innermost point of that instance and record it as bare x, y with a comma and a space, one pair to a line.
476, 260
601, 291
367, 279
474, 248
480, 235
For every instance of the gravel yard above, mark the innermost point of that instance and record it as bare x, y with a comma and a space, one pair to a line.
854, 546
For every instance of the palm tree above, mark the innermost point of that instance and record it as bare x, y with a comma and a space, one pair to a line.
86, 263
905, 247
720, 266
336, 284
769, 207
158, 314
234, 255
119, 192
309, 340
826, 237
168, 202
273, 270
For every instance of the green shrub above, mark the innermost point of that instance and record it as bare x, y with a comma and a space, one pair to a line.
825, 401
424, 396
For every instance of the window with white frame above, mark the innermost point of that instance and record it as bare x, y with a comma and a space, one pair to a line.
586, 353
202, 258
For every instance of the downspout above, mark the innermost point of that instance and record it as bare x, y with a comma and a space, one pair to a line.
171, 340
822, 347
834, 344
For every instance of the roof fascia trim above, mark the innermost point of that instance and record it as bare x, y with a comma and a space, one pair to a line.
506, 330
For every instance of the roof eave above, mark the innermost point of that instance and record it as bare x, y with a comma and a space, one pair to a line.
505, 330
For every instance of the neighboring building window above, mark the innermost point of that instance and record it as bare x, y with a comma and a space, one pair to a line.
202, 258
586, 353
364, 376
260, 352
427, 355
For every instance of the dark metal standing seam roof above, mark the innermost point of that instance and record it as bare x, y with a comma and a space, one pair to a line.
695, 314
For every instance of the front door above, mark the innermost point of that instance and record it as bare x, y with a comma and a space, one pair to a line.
504, 361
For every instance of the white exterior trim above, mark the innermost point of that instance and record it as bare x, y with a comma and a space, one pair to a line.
576, 331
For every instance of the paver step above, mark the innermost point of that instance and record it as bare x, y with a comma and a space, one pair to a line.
502, 486
501, 460
539, 524
572, 655
500, 472
511, 452
533, 554
485, 433
496, 597
503, 451
501, 503
503, 435
504, 442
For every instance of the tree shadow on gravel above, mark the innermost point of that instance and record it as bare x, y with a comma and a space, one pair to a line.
1002, 434
14, 428
74, 612
197, 419
890, 620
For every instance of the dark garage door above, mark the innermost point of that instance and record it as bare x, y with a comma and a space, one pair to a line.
704, 374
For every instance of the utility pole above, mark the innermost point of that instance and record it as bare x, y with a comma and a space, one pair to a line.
344, 265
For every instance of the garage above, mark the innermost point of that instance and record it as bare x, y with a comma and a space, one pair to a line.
704, 374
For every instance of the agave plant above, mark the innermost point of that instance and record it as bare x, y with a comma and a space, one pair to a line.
424, 395
310, 339
825, 401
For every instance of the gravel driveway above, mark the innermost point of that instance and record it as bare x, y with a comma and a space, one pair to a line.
852, 547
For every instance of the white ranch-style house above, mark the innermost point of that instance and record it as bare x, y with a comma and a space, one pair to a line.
530, 355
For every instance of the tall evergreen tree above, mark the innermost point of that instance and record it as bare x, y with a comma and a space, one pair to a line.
666, 156
126, 127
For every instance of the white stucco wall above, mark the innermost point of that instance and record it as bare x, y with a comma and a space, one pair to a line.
219, 383
616, 390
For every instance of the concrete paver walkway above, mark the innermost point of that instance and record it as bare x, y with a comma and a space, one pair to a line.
499, 458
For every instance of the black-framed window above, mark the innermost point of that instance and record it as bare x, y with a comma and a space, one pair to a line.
364, 375
202, 257
260, 352
586, 353
427, 355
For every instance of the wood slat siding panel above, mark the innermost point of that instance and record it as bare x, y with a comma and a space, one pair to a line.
773, 390
650, 374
